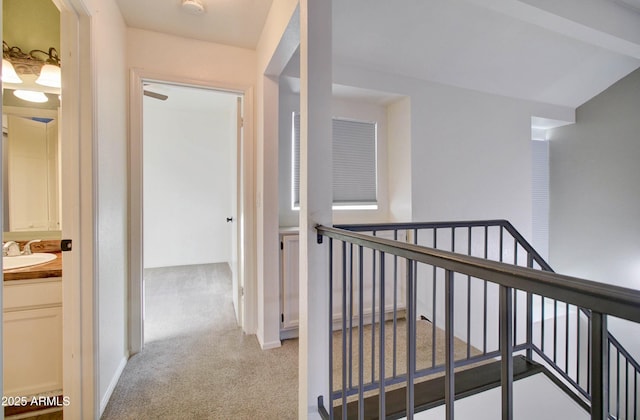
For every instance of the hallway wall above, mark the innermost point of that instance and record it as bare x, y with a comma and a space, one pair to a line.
189, 168
111, 188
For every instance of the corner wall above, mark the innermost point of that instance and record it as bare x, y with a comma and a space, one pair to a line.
594, 175
594, 201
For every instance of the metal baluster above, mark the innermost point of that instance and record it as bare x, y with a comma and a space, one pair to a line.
433, 320
506, 351
566, 342
395, 306
578, 347
484, 327
502, 245
589, 350
599, 366
381, 398
330, 328
344, 330
555, 330
373, 316
469, 298
350, 315
530, 315
515, 296
361, 335
542, 323
449, 377
411, 341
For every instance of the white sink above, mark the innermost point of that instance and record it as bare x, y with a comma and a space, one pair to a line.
21, 261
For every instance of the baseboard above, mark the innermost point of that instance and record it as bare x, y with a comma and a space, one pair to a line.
112, 385
292, 331
270, 345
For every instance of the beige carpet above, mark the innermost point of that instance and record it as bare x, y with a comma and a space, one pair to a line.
424, 358
197, 364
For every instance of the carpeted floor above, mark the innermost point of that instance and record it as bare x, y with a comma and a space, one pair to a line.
197, 364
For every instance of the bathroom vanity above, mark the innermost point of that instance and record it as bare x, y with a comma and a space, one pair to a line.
32, 330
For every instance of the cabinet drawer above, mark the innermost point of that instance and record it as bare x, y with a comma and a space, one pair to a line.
25, 294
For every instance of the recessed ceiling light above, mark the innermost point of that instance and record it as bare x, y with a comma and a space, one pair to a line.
193, 7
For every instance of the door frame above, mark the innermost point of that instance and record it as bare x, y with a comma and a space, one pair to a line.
245, 289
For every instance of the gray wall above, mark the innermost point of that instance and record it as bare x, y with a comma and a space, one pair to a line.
595, 193
595, 188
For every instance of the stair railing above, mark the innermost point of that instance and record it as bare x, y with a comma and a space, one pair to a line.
421, 267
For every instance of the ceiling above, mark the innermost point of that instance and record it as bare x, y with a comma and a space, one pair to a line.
554, 52
231, 22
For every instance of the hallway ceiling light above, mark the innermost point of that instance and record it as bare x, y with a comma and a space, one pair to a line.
193, 7
45, 65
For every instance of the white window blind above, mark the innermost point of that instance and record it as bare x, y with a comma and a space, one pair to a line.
354, 162
540, 196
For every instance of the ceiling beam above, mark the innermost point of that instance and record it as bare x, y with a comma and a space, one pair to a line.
603, 23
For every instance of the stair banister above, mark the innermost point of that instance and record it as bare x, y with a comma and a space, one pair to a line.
613, 300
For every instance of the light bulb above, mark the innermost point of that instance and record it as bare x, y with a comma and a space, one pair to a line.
31, 95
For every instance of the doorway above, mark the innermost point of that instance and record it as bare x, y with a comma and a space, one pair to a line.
188, 185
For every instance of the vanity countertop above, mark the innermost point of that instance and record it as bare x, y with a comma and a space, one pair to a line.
40, 271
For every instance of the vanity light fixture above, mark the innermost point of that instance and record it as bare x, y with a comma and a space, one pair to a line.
193, 7
19, 67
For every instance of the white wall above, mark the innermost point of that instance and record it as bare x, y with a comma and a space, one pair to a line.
535, 397
594, 175
470, 151
109, 45
189, 58
470, 159
279, 39
188, 173
399, 159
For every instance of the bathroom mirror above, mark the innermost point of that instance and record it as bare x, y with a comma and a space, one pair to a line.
31, 169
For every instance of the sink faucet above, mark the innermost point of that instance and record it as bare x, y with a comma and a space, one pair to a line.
27, 247
10, 249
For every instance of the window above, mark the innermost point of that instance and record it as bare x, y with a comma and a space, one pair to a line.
354, 164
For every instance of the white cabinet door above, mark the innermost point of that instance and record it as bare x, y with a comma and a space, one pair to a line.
32, 351
289, 290
394, 283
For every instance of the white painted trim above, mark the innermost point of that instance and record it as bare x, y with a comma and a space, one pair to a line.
135, 287
246, 213
271, 345
112, 384
79, 319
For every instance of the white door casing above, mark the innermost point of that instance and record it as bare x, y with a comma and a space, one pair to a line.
243, 220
